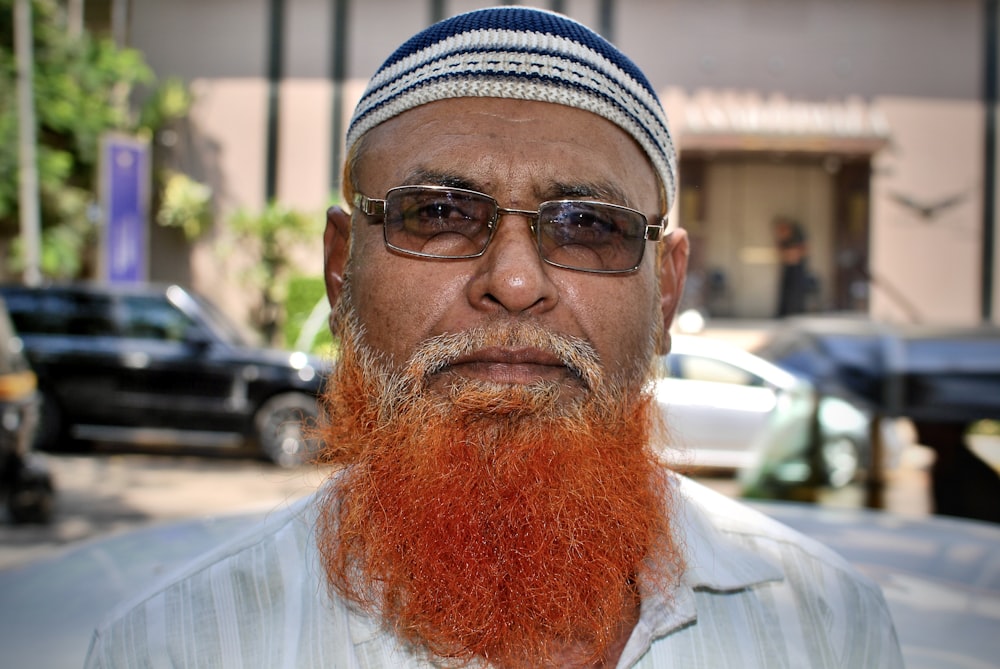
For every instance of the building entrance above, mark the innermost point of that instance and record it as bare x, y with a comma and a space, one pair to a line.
735, 209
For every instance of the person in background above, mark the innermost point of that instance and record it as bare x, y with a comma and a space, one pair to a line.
501, 285
793, 282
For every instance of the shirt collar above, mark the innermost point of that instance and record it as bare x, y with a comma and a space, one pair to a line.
710, 526
707, 526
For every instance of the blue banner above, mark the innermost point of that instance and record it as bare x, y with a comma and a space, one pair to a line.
125, 202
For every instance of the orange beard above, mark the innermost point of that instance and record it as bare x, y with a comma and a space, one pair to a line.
496, 522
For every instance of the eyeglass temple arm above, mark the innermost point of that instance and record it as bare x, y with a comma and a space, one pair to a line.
654, 231
369, 206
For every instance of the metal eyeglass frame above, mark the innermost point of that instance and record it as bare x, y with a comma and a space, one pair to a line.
375, 207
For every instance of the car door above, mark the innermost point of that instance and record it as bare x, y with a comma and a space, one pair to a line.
715, 411
177, 378
72, 341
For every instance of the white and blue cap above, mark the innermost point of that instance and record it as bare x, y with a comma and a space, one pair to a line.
524, 54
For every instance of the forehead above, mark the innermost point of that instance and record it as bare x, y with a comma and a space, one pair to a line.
511, 144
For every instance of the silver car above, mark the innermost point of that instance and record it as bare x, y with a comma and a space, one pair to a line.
728, 409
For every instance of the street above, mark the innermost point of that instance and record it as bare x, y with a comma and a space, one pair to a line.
103, 493
98, 494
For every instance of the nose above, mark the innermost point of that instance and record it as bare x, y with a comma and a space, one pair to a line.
511, 276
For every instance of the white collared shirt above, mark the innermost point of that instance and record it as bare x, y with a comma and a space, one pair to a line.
755, 594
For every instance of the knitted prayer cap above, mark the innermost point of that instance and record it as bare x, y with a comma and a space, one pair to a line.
526, 54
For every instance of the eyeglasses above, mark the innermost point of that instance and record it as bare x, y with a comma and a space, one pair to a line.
443, 222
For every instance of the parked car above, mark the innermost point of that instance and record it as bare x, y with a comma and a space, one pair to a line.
944, 379
160, 366
926, 372
941, 579
25, 482
729, 409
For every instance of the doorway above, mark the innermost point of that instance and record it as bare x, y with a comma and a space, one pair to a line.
729, 204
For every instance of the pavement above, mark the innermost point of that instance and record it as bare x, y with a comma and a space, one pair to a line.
101, 494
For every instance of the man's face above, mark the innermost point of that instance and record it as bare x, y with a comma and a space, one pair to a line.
521, 153
501, 496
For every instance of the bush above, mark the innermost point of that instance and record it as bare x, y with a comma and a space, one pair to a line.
307, 298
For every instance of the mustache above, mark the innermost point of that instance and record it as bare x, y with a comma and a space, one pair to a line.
437, 353
441, 351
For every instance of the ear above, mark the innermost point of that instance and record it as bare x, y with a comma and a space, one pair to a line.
673, 271
336, 243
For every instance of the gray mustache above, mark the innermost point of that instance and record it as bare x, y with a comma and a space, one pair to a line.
439, 352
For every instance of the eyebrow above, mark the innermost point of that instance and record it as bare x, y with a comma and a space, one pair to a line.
605, 192
435, 178
555, 190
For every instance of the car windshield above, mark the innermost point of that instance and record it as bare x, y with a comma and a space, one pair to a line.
221, 324
711, 361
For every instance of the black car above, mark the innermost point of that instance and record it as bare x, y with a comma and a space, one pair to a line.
926, 372
160, 366
944, 379
25, 482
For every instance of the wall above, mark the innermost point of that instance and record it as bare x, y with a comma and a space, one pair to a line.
916, 60
932, 259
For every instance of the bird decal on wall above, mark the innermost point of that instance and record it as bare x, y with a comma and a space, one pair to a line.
925, 210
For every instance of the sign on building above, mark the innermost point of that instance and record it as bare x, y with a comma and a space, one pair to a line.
125, 186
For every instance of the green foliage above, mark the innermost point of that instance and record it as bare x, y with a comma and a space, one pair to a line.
306, 300
63, 250
270, 237
83, 88
184, 204
170, 102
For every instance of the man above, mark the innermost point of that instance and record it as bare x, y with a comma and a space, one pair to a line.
501, 287
793, 280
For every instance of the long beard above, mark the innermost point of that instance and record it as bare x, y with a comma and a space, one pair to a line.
493, 522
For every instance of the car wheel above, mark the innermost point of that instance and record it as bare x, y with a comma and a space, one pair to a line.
282, 424
841, 460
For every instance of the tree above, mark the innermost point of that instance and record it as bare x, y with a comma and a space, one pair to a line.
270, 238
84, 87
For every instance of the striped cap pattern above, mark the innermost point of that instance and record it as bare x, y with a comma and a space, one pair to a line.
524, 54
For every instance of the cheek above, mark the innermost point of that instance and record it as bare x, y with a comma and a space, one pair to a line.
399, 302
620, 319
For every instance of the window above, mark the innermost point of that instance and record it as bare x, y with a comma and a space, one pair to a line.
61, 313
698, 368
148, 317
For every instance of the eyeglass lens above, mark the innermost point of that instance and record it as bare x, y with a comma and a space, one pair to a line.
438, 223
448, 223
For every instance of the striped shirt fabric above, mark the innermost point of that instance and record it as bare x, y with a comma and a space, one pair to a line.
755, 595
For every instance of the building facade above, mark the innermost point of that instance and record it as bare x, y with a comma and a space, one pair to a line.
861, 120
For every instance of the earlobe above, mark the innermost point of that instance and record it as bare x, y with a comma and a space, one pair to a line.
673, 271
336, 244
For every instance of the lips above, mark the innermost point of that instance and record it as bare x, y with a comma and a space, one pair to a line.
518, 356
503, 365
